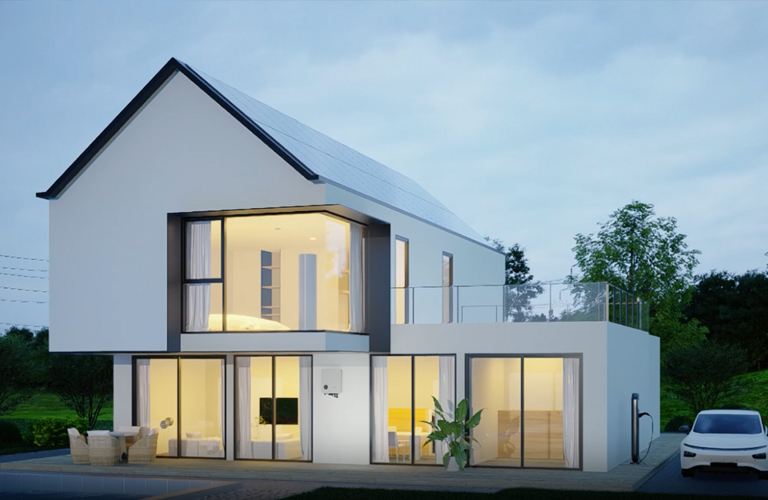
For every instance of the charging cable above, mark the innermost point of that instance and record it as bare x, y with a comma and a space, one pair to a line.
645, 414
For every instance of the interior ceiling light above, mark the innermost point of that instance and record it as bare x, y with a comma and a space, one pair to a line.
312, 238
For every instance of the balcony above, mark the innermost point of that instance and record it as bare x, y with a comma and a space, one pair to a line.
542, 302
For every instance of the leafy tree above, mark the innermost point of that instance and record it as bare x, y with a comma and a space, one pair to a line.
518, 297
734, 309
15, 367
644, 255
702, 375
82, 382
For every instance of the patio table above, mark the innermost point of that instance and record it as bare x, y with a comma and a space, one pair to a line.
121, 437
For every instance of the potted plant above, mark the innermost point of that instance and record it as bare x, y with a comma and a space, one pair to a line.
454, 433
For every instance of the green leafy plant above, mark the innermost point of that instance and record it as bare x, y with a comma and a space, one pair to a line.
53, 431
9, 433
454, 433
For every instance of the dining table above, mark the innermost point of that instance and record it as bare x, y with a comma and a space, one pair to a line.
418, 438
120, 436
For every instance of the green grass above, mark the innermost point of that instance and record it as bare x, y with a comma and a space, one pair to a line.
510, 494
48, 405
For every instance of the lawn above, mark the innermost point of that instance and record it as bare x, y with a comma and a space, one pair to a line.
511, 494
48, 405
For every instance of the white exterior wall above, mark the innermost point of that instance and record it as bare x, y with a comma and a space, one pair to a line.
473, 263
109, 232
633, 366
122, 387
609, 352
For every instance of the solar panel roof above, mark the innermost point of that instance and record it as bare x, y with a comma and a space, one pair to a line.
338, 164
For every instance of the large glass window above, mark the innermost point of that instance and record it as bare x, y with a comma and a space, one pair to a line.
280, 273
403, 387
183, 400
274, 407
531, 414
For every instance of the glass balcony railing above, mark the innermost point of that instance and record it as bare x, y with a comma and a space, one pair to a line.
539, 302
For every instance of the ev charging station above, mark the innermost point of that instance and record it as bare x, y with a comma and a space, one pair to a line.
636, 428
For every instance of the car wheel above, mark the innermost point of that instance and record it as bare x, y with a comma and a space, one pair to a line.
688, 472
762, 475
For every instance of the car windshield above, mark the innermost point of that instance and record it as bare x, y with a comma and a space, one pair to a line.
728, 424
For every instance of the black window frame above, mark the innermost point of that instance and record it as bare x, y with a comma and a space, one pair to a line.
202, 281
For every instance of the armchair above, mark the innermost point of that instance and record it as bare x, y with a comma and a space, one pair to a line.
145, 449
103, 450
78, 448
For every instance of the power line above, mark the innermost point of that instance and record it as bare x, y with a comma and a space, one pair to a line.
22, 324
25, 276
23, 289
25, 301
24, 258
24, 269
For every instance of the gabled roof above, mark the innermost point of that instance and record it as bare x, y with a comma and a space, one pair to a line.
314, 155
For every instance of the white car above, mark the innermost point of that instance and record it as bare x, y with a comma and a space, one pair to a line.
727, 441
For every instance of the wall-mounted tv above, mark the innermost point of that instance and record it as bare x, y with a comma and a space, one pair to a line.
287, 410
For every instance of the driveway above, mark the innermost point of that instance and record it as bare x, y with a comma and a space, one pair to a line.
669, 480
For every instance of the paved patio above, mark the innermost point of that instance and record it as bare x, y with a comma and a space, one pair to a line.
626, 477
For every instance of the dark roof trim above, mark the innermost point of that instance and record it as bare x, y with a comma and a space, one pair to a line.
140, 100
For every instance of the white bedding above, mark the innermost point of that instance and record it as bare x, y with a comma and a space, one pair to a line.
240, 323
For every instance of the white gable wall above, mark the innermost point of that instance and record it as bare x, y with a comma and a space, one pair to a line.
108, 231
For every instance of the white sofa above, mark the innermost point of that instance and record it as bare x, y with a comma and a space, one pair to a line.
285, 449
202, 447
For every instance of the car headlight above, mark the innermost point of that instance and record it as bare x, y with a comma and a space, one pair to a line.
690, 454
759, 456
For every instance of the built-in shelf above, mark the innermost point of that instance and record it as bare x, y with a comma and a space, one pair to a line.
270, 285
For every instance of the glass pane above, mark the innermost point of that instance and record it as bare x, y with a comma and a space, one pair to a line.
290, 272
203, 307
543, 415
203, 253
202, 408
253, 415
156, 401
392, 409
433, 376
447, 290
401, 281
496, 389
290, 400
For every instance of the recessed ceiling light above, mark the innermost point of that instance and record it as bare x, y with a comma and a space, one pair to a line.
313, 238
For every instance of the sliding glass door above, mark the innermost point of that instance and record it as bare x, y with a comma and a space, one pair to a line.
402, 388
532, 411
273, 412
183, 399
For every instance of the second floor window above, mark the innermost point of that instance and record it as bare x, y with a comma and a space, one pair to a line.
273, 273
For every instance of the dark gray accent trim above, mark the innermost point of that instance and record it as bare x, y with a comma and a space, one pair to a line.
377, 308
175, 252
166, 72
468, 394
337, 210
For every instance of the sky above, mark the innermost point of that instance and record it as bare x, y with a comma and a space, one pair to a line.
532, 121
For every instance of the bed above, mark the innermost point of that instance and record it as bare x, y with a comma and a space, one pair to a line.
241, 323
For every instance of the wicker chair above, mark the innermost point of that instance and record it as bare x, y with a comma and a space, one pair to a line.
104, 450
144, 450
78, 448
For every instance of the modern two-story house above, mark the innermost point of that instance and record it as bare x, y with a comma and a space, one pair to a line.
268, 293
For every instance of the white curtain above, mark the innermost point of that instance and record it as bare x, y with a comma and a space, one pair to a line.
305, 406
243, 367
446, 397
198, 267
380, 410
571, 412
142, 387
355, 278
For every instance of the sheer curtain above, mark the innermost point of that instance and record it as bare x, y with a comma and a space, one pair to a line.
243, 367
355, 278
305, 408
142, 389
380, 445
571, 412
446, 397
198, 300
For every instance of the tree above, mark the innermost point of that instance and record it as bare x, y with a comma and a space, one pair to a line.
522, 289
82, 382
734, 309
644, 255
702, 375
15, 367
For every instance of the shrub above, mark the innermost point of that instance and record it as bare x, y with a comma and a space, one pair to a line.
676, 422
9, 433
53, 431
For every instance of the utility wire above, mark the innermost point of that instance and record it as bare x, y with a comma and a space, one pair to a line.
24, 269
22, 289
25, 301
25, 276
23, 258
